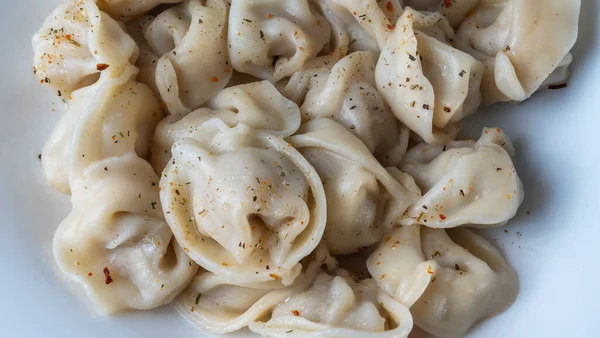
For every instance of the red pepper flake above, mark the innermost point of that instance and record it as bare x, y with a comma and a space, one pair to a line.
270, 16
389, 7
442, 217
274, 276
391, 27
68, 36
107, 278
296, 313
447, 3
90, 274
102, 66
215, 79
430, 270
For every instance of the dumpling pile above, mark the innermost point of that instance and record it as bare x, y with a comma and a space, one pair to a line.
293, 167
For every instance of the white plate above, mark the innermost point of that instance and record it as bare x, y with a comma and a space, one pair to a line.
557, 138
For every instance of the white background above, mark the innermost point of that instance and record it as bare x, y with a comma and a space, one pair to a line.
556, 135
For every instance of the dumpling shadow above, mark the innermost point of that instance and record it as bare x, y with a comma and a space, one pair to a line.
588, 35
536, 186
537, 201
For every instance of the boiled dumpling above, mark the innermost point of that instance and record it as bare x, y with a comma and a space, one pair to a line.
429, 85
77, 42
256, 104
336, 305
347, 94
520, 42
560, 75
455, 11
376, 17
359, 190
464, 183
218, 305
115, 243
146, 62
450, 280
114, 116
271, 39
313, 72
125, 9
243, 203
348, 35
184, 53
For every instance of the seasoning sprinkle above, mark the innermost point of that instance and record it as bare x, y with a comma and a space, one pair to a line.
198, 298
107, 278
101, 66
74, 43
389, 7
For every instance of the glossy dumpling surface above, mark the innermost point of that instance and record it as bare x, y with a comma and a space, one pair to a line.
465, 183
450, 280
